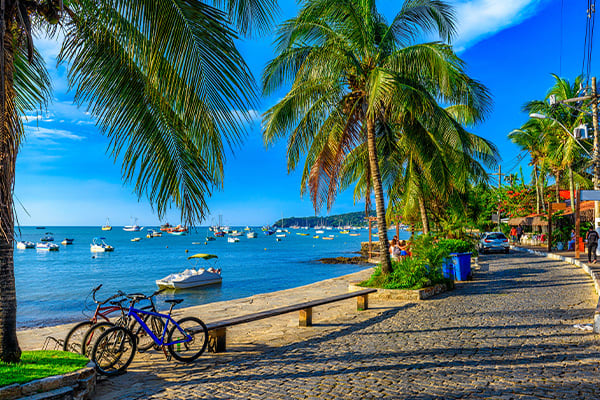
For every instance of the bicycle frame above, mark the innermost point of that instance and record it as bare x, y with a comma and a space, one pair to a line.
103, 312
134, 312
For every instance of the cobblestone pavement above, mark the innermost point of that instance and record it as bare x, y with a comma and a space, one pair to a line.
507, 334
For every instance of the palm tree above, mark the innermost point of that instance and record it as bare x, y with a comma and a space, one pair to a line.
530, 138
562, 147
160, 77
353, 73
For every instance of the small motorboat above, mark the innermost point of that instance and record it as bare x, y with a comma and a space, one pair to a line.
47, 238
99, 246
301, 234
47, 246
233, 239
67, 241
327, 238
251, 235
136, 239
25, 245
210, 238
280, 235
236, 233
247, 228
192, 277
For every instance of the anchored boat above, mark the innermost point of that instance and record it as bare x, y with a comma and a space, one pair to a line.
192, 277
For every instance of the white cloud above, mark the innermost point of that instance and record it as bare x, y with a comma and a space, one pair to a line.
41, 133
479, 19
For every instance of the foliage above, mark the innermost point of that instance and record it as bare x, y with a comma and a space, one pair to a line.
40, 364
408, 273
457, 246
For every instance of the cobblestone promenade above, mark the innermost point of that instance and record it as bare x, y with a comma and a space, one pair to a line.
507, 334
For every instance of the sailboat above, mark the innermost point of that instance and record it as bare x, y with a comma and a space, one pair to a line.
106, 226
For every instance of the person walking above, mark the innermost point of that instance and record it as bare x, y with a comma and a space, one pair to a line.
513, 235
519, 233
592, 241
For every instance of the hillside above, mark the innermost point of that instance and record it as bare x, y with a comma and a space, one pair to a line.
354, 219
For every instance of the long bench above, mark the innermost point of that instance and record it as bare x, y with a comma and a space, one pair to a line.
217, 331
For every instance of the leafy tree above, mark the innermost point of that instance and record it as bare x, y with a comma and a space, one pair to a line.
161, 79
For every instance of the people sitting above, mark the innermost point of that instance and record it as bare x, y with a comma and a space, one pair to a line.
395, 250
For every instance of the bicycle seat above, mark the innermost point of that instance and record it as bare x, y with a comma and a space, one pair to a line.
174, 301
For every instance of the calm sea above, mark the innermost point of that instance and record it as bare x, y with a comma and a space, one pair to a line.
52, 286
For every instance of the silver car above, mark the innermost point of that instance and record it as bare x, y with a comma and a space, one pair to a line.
493, 241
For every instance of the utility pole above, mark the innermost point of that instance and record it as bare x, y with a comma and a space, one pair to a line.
500, 175
596, 151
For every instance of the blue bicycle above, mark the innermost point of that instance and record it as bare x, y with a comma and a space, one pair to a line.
115, 348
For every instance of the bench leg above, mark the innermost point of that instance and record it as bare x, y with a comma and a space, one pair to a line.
305, 317
216, 340
362, 302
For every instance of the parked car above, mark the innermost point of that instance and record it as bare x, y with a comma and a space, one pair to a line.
493, 241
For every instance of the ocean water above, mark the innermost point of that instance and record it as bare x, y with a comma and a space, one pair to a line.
53, 287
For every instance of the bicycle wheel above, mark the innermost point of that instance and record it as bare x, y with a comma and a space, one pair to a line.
156, 325
73, 339
92, 334
192, 346
114, 351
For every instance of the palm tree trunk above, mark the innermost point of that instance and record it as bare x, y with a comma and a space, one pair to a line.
571, 188
537, 189
424, 218
542, 180
384, 254
9, 144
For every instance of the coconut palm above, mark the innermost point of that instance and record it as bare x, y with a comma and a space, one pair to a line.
562, 147
351, 72
530, 138
161, 78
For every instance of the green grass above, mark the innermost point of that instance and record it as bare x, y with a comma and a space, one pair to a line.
40, 364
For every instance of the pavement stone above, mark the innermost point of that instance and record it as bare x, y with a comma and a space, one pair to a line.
508, 334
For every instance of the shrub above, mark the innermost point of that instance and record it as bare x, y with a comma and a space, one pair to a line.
408, 273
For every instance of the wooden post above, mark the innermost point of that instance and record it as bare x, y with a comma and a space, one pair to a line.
577, 222
305, 318
362, 302
216, 340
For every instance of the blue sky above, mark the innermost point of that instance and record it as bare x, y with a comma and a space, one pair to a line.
66, 177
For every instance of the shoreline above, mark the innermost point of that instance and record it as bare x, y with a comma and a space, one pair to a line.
33, 338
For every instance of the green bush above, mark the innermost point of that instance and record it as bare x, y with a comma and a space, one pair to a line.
457, 246
408, 273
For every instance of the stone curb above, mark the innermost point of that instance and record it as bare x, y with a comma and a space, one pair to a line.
594, 275
403, 294
76, 385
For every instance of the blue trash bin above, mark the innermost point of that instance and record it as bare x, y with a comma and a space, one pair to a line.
462, 266
448, 269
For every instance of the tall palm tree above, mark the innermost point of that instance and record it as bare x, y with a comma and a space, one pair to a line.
563, 149
161, 79
352, 72
530, 138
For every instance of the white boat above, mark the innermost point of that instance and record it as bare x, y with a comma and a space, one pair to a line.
47, 238
236, 233
98, 246
192, 277
132, 228
251, 235
280, 235
136, 239
25, 245
233, 239
67, 241
47, 246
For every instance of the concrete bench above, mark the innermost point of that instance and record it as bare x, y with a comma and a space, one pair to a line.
217, 331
